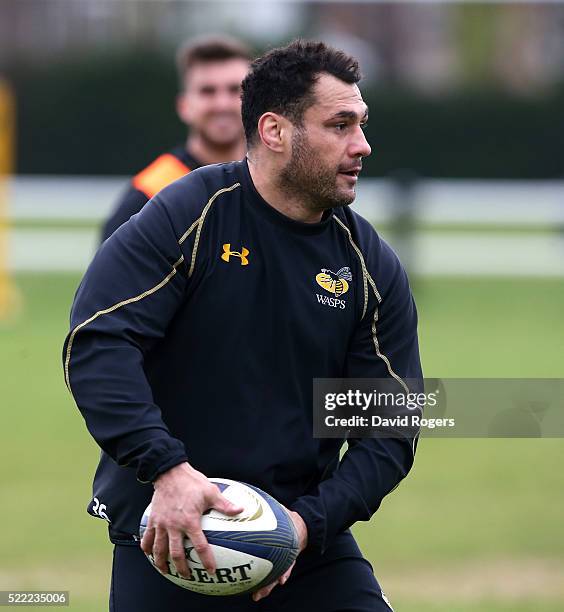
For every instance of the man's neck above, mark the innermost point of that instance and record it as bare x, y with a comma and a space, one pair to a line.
284, 203
207, 154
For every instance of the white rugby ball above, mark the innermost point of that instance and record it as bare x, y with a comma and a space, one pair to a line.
251, 549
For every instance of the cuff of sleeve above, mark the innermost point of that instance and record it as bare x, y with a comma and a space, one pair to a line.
310, 511
152, 453
159, 461
172, 461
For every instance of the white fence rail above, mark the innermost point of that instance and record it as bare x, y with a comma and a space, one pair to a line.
510, 228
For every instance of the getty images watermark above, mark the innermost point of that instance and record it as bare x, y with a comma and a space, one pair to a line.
438, 407
383, 409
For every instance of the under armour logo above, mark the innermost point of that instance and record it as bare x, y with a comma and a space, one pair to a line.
227, 253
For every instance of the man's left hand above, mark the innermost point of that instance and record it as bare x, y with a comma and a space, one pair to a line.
302, 543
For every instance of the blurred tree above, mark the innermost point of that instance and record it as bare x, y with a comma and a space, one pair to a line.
476, 31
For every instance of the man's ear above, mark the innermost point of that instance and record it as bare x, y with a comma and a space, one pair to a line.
183, 108
275, 132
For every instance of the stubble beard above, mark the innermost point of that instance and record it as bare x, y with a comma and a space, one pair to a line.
220, 147
213, 143
305, 179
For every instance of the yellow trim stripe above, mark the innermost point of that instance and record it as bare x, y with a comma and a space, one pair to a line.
137, 298
198, 223
189, 231
201, 223
367, 276
362, 265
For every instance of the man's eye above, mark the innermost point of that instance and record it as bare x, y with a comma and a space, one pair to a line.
340, 126
364, 125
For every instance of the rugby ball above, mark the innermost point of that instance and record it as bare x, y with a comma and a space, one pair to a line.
251, 549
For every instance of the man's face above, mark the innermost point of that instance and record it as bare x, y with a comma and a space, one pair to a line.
211, 101
327, 150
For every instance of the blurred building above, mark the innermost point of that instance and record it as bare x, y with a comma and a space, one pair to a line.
430, 47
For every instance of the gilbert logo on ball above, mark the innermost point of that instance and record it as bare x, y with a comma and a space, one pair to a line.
251, 549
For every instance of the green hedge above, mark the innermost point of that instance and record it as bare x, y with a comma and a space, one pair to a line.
114, 113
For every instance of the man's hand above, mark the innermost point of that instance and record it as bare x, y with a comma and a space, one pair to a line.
302, 543
182, 495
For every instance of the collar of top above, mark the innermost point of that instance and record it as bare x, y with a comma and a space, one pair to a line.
271, 214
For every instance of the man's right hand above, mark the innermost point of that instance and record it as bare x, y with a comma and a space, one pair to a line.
182, 495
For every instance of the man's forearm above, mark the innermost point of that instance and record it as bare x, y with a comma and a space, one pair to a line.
366, 474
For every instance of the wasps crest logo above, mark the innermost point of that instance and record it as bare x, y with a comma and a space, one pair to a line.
334, 282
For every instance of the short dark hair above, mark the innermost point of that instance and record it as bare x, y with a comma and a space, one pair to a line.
282, 81
209, 48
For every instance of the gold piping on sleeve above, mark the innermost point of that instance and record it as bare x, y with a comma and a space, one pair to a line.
137, 298
189, 231
367, 277
197, 224
361, 259
382, 356
201, 222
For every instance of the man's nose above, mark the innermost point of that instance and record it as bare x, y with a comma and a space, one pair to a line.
360, 146
226, 101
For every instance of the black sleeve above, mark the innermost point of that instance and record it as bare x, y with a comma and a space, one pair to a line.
130, 292
384, 345
129, 204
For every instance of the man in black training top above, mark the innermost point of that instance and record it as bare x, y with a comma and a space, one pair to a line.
200, 325
210, 71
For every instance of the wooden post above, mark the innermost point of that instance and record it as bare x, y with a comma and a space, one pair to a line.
7, 143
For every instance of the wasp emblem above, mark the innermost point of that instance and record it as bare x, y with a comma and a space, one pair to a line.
335, 282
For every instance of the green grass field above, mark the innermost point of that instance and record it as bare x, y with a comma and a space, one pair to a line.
476, 526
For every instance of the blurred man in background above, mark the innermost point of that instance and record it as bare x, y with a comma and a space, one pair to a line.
210, 71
